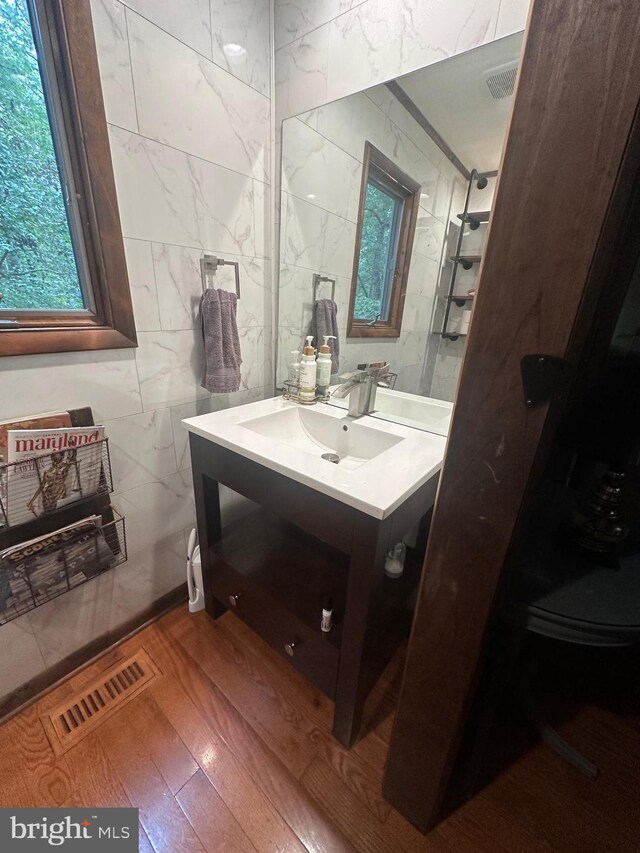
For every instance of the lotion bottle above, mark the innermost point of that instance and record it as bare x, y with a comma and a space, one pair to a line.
323, 378
308, 370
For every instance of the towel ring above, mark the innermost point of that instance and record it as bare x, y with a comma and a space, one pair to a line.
319, 279
209, 266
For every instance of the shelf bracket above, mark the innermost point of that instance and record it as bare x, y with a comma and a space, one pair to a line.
543, 376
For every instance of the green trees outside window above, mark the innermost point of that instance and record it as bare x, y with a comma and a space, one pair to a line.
37, 264
376, 263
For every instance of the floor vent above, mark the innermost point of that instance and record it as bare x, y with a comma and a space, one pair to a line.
82, 713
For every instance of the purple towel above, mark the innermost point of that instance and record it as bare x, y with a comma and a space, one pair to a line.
324, 321
222, 357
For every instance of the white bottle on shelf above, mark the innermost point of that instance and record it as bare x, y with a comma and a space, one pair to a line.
308, 368
293, 378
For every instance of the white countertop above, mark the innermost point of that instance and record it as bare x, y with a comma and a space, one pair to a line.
377, 487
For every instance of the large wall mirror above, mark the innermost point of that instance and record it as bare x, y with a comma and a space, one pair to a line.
385, 202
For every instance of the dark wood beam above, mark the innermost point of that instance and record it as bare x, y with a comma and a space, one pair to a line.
414, 111
564, 174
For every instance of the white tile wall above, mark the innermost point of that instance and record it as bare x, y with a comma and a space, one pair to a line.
142, 449
168, 196
328, 49
110, 25
142, 281
21, 658
240, 30
189, 128
512, 17
107, 381
188, 21
193, 105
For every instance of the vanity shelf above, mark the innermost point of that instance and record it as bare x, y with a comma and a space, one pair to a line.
274, 576
296, 568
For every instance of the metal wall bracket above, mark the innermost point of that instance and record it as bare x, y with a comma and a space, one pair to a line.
543, 376
209, 266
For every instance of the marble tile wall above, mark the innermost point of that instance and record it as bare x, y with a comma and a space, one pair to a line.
326, 49
322, 153
187, 95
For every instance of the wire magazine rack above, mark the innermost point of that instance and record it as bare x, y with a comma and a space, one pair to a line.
36, 487
40, 575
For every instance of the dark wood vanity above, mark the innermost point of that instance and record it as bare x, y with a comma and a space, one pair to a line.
274, 566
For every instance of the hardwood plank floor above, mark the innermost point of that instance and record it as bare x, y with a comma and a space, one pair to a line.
230, 750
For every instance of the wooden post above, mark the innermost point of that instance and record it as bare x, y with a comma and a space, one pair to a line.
577, 94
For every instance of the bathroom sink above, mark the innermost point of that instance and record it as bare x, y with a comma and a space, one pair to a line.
346, 443
379, 464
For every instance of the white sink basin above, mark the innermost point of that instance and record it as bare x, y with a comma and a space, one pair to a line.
315, 432
380, 463
410, 409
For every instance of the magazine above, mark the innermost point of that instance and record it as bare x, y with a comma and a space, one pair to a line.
54, 468
48, 420
35, 571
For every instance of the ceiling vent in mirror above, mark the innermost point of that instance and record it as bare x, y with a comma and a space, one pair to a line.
502, 80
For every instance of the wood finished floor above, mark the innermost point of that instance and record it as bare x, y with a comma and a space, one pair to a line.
230, 750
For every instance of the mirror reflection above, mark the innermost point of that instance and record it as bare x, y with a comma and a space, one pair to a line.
385, 202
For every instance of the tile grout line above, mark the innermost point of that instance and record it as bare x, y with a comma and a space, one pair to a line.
196, 249
187, 153
319, 26
195, 50
133, 82
155, 281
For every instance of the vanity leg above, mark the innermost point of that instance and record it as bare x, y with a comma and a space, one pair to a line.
366, 568
207, 497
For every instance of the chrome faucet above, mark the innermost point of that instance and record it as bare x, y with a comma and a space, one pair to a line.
361, 386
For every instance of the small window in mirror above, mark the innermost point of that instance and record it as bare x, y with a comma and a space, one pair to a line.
384, 237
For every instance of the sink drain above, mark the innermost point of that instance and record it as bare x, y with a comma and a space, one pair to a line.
331, 457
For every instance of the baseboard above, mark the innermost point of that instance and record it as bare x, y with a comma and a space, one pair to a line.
44, 682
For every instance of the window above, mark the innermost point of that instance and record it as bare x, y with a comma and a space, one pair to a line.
63, 280
386, 226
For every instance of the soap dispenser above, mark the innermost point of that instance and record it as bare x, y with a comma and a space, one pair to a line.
293, 379
323, 379
308, 369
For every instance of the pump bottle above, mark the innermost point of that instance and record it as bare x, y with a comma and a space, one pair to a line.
323, 378
308, 370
